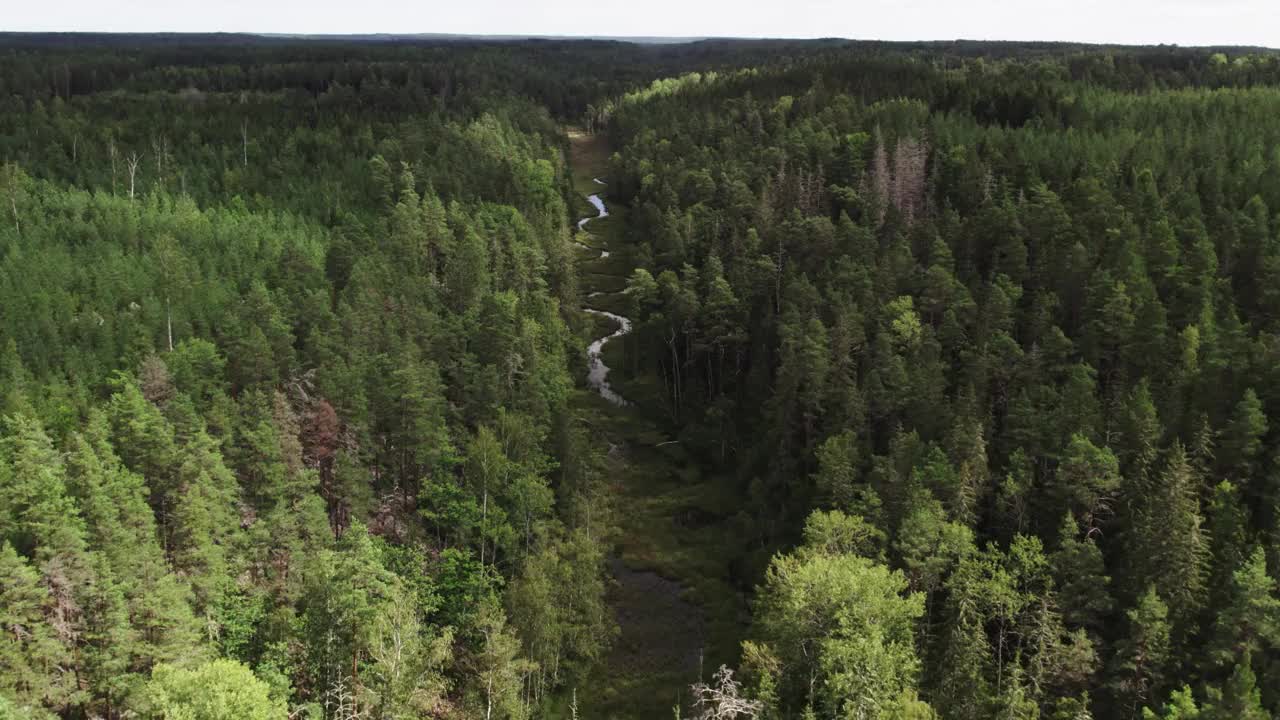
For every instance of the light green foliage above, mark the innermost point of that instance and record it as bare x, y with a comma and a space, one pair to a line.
929, 545
498, 670
834, 533
217, 690
1181, 706
844, 621
348, 590
406, 677
904, 323
558, 608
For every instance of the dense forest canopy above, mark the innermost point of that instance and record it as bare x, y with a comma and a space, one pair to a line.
952, 369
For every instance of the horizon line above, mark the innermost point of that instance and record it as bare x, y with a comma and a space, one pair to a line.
636, 39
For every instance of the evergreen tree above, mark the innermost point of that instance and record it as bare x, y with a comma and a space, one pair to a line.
1079, 572
1250, 621
1239, 697
32, 655
1142, 658
1170, 550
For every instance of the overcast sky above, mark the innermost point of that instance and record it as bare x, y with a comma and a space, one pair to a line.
1185, 22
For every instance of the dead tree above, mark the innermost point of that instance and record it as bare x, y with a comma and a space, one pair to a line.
133, 160
910, 160
880, 176
723, 699
160, 146
11, 173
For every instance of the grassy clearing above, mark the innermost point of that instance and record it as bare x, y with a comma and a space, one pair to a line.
678, 614
588, 158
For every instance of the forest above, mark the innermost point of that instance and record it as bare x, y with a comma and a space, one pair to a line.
457, 379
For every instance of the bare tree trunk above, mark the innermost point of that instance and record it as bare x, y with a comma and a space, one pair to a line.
244, 144
488, 681
168, 311
133, 161
13, 204
160, 145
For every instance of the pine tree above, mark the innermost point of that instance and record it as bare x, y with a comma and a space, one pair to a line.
122, 529
33, 659
1241, 443
1228, 527
1079, 572
42, 519
1142, 658
1015, 701
205, 523
929, 545
36, 513
1250, 621
417, 438
109, 642
145, 443
962, 663
836, 480
1239, 698
1138, 448
1086, 482
1169, 548
968, 450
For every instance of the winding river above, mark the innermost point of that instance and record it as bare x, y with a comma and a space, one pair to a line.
597, 371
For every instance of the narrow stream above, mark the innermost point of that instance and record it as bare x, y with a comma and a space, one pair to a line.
597, 371
663, 634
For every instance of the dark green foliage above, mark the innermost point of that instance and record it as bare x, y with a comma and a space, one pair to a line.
287, 396
977, 297
971, 347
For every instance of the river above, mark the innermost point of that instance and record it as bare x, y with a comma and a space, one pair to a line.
597, 371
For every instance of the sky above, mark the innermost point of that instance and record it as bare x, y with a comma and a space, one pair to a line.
1183, 22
